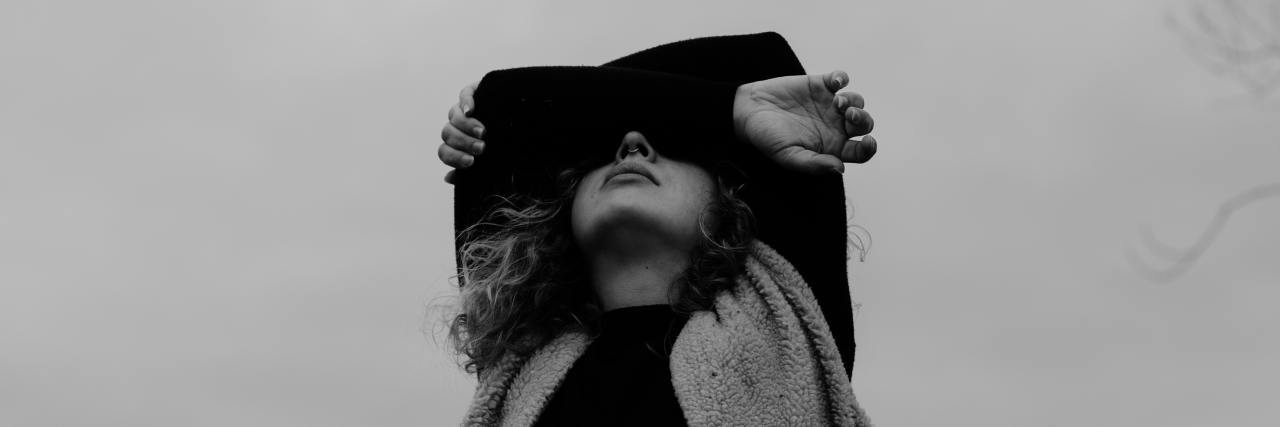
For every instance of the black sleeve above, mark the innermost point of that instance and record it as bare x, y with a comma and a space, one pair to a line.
550, 113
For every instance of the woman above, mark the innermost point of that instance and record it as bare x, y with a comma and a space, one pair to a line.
632, 288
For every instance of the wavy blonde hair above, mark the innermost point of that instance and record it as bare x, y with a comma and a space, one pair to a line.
524, 280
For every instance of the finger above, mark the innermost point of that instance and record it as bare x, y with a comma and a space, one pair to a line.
854, 151
468, 125
448, 176
454, 157
466, 98
858, 122
850, 99
455, 138
800, 159
836, 80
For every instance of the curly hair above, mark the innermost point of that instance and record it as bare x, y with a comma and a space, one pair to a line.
524, 279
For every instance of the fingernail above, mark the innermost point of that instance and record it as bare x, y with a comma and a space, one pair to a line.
479, 147
467, 161
839, 81
840, 103
466, 109
479, 131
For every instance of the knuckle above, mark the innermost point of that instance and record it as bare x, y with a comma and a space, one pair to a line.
444, 153
459, 141
856, 100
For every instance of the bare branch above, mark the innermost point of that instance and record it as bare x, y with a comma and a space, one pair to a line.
1182, 259
1239, 39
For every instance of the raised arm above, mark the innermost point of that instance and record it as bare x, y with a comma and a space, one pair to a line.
799, 121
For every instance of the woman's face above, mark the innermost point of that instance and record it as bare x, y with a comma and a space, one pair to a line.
640, 199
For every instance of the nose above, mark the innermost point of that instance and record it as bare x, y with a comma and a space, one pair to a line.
634, 143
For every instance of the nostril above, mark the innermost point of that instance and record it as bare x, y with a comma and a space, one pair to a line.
629, 149
634, 142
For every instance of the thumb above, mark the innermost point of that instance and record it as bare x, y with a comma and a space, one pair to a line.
804, 160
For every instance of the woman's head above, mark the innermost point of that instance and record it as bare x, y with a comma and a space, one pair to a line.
524, 268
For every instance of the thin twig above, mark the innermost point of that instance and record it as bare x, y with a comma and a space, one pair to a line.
1234, 38
1182, 259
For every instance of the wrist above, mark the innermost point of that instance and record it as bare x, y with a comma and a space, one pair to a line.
742, 100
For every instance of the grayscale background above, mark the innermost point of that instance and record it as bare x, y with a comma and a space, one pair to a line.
231, 213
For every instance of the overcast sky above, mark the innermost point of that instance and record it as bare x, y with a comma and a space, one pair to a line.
231, 212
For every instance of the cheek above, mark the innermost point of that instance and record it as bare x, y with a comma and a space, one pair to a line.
583, 199
696, 195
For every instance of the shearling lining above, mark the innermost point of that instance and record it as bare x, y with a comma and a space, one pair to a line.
763, 356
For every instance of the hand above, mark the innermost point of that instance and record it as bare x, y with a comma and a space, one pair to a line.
461, 134
803, 124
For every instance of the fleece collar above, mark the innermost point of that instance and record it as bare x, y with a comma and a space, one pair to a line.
762, 356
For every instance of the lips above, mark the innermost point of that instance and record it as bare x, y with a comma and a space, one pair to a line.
630, 167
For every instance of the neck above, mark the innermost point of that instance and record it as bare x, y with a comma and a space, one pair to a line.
632, 278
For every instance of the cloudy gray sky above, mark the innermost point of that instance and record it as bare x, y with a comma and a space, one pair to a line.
231, 213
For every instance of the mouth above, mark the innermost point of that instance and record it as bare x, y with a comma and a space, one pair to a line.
630, 168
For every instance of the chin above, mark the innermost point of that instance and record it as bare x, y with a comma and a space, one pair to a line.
633, 221
633, 213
